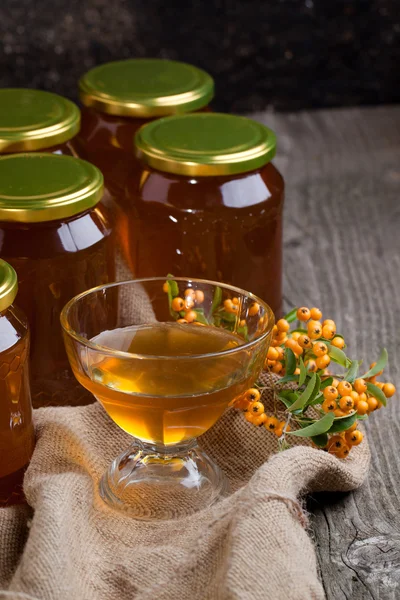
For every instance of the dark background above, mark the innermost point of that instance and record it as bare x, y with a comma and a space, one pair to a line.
285, 54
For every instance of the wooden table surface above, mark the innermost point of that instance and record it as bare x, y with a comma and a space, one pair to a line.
342, 254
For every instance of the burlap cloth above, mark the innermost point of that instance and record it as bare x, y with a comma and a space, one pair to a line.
252, 544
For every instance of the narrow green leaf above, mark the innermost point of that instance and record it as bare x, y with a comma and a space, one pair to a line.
172, 312
320, 440
228, 317
303, 372
316, 428
315, 391
173, 286
288, 400
362, 417
380, 364
217, 299
291, 316
326, 383
200, 317
337, 355
316, 400
288, 378
343, 423
377, 392
244, 332
290, 361
302, 399
351, 374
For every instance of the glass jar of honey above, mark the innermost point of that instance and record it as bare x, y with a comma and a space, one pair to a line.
58, 239
207, 203
119, 97
17, 437
33, 120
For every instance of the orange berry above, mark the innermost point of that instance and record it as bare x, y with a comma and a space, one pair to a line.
329, 322
252, 395
277, 368
271, 423
283, 325
303, 313
330, 393
312, 366
242, 323
178, 304
338, 342
296, 335
273, 354
260, 419
281, 352
190, 316
249, 416
199, 295
322, 361
336, 443
353, 427
189, 302
254, 308
297, 371
292, 344
279, 430
389, 390
165, 287
319, 349
335, 382
343, 452
304, 341
360, 386
329, 406
340, 413
362, 407
344, 388
346, 403
190, 292
372, 379
235, 301
353, 438
316, 314
380, 385
328, 332
372, 403
182, 321
314, 329
362, 397
355, 397
269, 363
256, 408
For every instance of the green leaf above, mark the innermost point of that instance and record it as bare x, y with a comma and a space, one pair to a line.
337, 355
316, 428
316, 400
173, 286
343, 423
351, 374
303, 372
290, 361
320, 440
377, 392
200, 317
315, 391
172, 312
291, 316
288, 378
217, 299
303, 398
289, 399
326, 383
228, 317
380, 364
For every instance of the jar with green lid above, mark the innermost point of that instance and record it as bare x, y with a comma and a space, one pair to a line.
17, 436
119, 97
37, 121
207, 203
57, 236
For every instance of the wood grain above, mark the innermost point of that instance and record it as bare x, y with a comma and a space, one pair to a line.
342, 253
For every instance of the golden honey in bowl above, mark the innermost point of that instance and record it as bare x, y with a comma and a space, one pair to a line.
17, 437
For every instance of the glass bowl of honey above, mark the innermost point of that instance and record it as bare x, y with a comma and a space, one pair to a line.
165, 358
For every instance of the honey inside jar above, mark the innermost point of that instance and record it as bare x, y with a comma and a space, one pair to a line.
37, 121
17, 436
208, 202
58, 238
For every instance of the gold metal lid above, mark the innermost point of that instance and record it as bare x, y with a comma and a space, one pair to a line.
205, 144
8, 285
46, 187
34, 120
146, 88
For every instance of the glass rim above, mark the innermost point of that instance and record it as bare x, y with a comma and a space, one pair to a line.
114, 352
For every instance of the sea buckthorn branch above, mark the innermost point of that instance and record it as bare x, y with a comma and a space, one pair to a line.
324, 407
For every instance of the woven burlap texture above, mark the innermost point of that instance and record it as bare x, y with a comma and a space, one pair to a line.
251, 545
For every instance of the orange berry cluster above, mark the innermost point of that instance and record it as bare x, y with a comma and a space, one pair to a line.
255, 413
192, 299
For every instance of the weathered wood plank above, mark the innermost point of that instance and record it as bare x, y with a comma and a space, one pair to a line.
342, 253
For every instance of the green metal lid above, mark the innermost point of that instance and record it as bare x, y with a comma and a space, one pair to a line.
8, 285
205, 144
46, 187
146, 87
34, 120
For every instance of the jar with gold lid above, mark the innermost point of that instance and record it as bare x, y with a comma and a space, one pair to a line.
207, 203
34, 120
57, 236
17, 437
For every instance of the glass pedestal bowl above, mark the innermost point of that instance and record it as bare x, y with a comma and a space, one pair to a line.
165, 359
